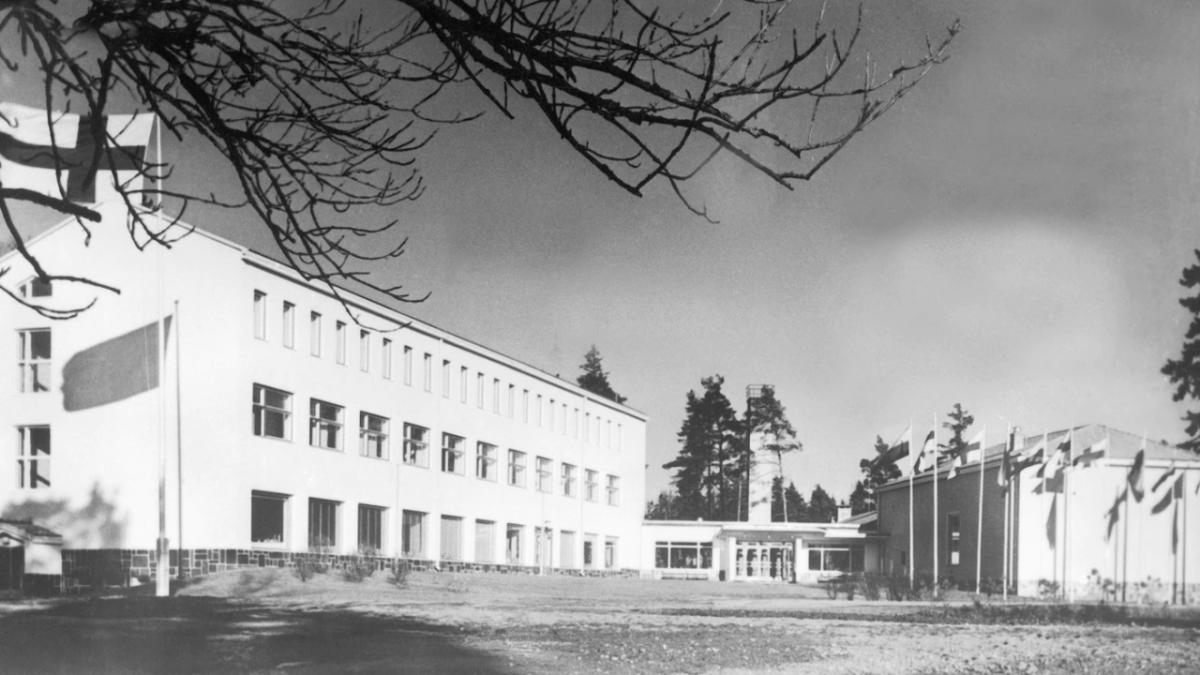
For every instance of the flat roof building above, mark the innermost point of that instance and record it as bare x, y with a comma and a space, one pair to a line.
281, 424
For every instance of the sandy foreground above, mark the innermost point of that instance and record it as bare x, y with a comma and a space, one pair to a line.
575, 625
270, 621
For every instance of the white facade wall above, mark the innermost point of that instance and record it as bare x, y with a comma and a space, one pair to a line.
103, 491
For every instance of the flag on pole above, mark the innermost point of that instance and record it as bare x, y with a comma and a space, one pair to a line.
973, 445
898, 449
1134, 478
1163, 478
39, 149
115, 369
1172, 493
1091, 453
927, 450
1114, 513
1005, 472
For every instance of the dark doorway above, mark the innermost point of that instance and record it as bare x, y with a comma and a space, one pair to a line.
12, 567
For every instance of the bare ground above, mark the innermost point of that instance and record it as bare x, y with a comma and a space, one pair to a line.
269, 621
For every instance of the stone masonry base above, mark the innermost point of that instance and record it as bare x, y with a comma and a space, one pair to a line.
99, 568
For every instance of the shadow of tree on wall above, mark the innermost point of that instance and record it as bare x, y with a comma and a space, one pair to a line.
93, 524
182, 634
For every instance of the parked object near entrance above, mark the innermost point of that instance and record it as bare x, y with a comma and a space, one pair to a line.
30, 559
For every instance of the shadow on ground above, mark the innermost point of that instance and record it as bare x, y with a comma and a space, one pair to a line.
181, 634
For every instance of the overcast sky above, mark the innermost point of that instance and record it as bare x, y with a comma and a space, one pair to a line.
1009, 237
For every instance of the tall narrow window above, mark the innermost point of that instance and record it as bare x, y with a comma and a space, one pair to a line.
325, 425
566, 556
451, 538
260, 315
428, 371
446, 378
373, 435
339, 337
322, 525
485, 541
512, 396
370, 529
525, 406
591, 485
537, 412
610, 553
613, 490
564, 419
463, 376
289, 325
568, 480
314, 333
33, 457
412, 534
516, 468
364, 351
543, 545
544, 478
385, 356
496, 395
408, 365
272, 413
416, 445
620, 429
268, 518
33, 356
485, 461
513, 535
452, 453
954, 537
550, 416
589, 551
479, 390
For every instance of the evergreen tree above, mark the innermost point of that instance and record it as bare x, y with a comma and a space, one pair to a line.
709, 464
766, 416
861, 500
665, 508
787, 501
878, 470
594, 379
1184, 372
960, 421
821, 507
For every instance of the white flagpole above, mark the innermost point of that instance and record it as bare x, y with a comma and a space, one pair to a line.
979, 524
936, 523
158, 169
178, 440
1008, 488
912, 559
1066, 529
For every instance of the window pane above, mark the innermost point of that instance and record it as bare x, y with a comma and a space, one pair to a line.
266, 518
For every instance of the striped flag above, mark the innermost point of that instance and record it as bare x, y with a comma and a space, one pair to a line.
1005, 472
38, 150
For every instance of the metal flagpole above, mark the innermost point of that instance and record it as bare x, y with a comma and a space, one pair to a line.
979, 524
936, 528
178, 440
912, 468
1008, 488
1066, 529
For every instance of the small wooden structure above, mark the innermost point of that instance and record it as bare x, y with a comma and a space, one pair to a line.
30, 559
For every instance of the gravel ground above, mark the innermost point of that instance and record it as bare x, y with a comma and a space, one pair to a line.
269, 621
573, 625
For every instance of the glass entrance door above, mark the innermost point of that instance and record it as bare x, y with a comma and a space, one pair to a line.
763, 561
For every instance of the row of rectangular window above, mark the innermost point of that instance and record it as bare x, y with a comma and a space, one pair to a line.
268, 526
272, 419
600, 433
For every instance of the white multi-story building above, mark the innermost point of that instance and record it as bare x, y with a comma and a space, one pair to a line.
288, 421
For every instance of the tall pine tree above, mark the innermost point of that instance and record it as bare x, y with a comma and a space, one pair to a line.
767, 417
710, 461
1184, 372
960, 420
594, 379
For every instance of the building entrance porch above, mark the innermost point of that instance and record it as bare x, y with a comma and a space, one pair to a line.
764, 561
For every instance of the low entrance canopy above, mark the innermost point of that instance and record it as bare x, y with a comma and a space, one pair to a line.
760, 552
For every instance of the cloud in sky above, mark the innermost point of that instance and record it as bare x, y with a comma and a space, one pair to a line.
1008, 237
